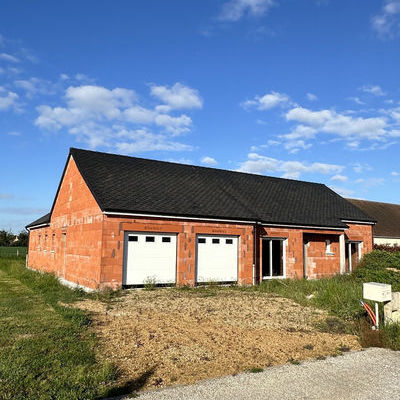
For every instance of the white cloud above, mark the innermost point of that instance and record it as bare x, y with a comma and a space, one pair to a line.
8, 57
259, 164
142, 140
140, 115
33, 86
375, 90
359, 167
181, 160
177, 96
357, 100
64, 77
387, 23
83, 78
114, 118
7, 99
339, 178
395, 173
174, 125
311, 97
14, 133
266, 102
342, 191
207, 160
234, 10
349, 128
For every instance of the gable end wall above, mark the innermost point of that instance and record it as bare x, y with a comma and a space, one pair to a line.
71, 246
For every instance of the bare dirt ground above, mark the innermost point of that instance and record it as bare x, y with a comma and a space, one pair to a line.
174, 336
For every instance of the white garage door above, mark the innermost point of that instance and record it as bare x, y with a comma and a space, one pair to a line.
150, 257
217, 258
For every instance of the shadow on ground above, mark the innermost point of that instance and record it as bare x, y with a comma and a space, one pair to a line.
131, 386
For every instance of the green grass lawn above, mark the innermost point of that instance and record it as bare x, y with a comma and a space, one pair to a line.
46, 349
13, 252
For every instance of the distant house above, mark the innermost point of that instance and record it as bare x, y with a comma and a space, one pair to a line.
387, 228
123, 221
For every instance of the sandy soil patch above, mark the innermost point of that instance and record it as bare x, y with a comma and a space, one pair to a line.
172, 336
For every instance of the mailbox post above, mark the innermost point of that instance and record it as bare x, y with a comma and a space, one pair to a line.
379, 293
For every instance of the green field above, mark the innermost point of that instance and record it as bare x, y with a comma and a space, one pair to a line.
12, 252
47, 350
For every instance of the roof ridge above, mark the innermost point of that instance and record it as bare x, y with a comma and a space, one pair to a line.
373, 201
196, 166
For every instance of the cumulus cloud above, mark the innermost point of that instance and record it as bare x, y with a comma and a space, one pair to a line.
387, 23
375, 90
234, 10
114, 118
207, 160
7, 99
177, 96
339, 178
34, 86
353, 129
260, 164
266, 102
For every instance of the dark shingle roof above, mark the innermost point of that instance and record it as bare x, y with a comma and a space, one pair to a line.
387, 217
40, 221
137, 185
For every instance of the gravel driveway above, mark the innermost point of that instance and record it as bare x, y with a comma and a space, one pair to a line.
370, 374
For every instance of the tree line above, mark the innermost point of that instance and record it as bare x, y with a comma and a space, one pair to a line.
8, 239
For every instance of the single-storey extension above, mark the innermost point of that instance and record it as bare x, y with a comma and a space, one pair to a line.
387, 216
125, 221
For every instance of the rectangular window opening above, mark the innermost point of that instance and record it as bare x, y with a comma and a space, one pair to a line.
166, 239
328, 246
150, 238
272, 258
133, 238
215, 241
229, 241
201, 240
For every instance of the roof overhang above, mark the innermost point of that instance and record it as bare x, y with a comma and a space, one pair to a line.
36, 226
347, 221
128, 214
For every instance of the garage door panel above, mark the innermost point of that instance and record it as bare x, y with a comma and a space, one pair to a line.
217, 258
150, 256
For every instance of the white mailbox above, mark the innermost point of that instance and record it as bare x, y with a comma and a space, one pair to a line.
377, 291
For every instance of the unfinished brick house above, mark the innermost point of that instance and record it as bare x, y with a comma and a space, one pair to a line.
122, 221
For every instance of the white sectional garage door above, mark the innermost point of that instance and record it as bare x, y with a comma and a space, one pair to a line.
150, 257
217, 258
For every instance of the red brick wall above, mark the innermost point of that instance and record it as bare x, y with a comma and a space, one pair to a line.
113, 245
361, 233
321, 264
294, 249
76, 256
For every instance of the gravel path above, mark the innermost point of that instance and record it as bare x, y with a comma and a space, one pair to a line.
366, 375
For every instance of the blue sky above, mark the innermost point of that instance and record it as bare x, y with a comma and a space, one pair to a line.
306, 90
